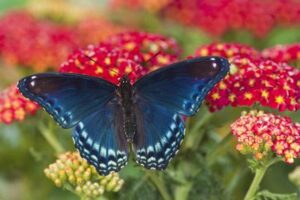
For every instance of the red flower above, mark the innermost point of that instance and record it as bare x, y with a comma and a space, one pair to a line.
260, 134
156, 50
260, 81
13, 106
227, 50
283, 53
105, 62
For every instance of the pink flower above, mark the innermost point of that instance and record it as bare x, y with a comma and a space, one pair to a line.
261, 134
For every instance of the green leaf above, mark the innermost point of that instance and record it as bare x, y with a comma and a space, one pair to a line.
139, 189
205, 186
266, 195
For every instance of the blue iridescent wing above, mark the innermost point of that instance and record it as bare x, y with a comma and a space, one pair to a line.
88, 104
159, 134
100, 139
163, 97
67, 97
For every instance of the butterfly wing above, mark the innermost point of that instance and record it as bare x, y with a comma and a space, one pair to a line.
89, 104
100, 139
67, 97
159, 134
163, 97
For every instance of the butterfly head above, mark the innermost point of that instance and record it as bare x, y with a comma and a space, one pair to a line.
125, 80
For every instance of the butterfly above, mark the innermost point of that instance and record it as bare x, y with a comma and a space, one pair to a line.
147, 117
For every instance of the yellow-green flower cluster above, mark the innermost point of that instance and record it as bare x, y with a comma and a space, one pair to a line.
72, 172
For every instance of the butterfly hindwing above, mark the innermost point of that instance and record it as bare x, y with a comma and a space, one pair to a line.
100, 139
182, 86
67, 97
163, 98
159, 134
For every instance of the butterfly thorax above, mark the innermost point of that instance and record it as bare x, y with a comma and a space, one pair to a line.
125, 93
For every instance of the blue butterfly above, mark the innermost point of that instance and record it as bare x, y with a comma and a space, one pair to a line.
108, 119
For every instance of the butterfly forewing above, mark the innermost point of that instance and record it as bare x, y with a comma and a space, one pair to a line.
163, 97
67, 97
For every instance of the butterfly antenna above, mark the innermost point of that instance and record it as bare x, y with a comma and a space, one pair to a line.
148, 61
91, 59
152, 57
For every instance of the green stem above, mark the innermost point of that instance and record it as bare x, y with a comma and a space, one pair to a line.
159, 184
194, 135
259, 174
50, 138
182, 192
205, 117
212, 155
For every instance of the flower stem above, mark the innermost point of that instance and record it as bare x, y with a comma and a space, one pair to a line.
50, 138
212, 155
259, 174
194, 135
159, 184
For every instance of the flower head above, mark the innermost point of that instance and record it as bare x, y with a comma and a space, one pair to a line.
259, 81
73, 171
283, 53
15, 107
261, 134
106, 62
156, 50
227, 50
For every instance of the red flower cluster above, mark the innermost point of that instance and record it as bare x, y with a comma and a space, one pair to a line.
156, 50
133, 53
13, 106
105, 62
253, 79
28, 42
283, 53
260, 134
227, 50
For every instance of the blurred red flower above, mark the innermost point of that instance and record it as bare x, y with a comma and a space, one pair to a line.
92, 30
221, 16
15, 107
149, 5
260, 134
41, 44
28, 42
283, 53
